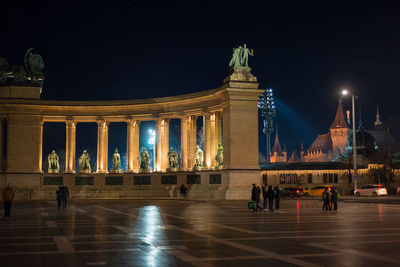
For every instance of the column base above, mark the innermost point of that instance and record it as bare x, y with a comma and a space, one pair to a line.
115, 171
172, 169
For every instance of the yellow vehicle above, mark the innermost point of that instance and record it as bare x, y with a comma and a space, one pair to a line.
316, 190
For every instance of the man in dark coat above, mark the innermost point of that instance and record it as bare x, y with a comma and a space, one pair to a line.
334, 198
264, 193
59, 194
65, 196
277, 195
270, 196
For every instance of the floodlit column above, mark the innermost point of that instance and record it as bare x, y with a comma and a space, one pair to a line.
216, 131
70, 146
162, 126
207, 140
132, 151
102, 146
1, 144
184, 143
40, 147
192, 139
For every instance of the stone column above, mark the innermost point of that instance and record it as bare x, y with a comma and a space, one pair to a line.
162, 126
217, 133
132, 150
1, 144
184, 143
70, 146
102, 146
208, 139
192, 139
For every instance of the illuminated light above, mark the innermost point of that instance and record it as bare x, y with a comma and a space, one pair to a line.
345, 92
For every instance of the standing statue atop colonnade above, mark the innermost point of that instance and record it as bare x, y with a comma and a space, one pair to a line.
84, 163
144, 161
54, 165
116, 160
240, 57
32, 74
198, 159
219, 158
173, 160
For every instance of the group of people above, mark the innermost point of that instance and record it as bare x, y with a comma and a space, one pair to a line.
269, 194
330, 199
62, 196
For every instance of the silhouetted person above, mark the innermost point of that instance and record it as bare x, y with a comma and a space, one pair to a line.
59, 194
334, 198
255, 196
8, 196
326, 195
270, 196
264, 193
65, 196
277, 195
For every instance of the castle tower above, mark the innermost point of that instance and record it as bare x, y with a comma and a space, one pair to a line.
277, 154
339, 132
377, 123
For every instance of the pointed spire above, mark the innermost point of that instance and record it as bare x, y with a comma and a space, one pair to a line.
378, 122
284, 148
277, 146
301, 146
339, 121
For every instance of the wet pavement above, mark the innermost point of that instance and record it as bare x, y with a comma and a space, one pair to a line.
199, 233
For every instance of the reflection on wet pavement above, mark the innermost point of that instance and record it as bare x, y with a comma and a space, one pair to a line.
198, 233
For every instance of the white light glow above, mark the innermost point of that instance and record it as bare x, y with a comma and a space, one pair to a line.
345, 92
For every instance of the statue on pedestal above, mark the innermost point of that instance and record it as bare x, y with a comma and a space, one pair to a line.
198, 159
116, 160
144, 161
240, 57
219, 157
84, 163
173, 160
54, 165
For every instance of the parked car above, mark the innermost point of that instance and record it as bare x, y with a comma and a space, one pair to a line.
292, 192
371, 190
316, 190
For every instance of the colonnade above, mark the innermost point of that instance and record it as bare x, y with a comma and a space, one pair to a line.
212, 126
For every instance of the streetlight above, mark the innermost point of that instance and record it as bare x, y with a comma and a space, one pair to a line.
152, 143
345, 92
267, 106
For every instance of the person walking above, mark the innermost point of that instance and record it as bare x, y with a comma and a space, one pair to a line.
255, 196
277, 195
59, 194
270, 196
264, 193
334, 198
326, 198
65, 196
8, 196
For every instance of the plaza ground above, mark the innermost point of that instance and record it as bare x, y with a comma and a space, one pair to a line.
164, 232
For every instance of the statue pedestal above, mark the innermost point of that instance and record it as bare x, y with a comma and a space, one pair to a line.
241, 78
27, 92
53, 171
172, 169
220, 167
84, 171
144, 170
197, 168
115, 171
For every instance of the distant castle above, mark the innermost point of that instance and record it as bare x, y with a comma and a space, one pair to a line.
326, 147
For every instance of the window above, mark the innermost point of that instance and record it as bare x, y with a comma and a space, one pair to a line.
335, 178
325, 179
288, 179
294, 178
141, 180
168, 179
193, 179
330, 178
282, 179
309, 178
215, 178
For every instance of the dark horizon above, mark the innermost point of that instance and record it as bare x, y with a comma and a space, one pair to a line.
145, 49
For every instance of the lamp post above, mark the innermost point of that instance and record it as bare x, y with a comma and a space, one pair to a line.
152, 143
345, 92
267, 106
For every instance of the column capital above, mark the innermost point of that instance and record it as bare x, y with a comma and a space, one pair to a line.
102, 123
132, 122
71, 123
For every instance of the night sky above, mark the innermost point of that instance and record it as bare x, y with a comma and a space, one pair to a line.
108, 50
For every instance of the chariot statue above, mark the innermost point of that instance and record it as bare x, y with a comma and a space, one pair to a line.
84, 163
54, 165
240, 57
